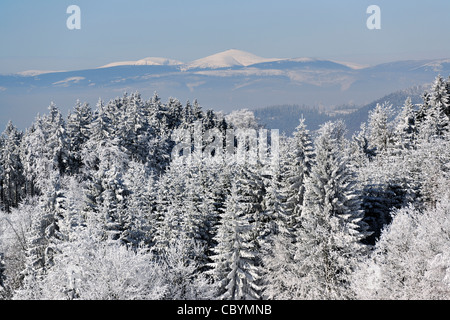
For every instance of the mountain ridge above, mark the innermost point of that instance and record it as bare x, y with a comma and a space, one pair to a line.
226, 81
238, 58
224, 59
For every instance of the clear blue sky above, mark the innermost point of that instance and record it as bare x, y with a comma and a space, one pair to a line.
33, 34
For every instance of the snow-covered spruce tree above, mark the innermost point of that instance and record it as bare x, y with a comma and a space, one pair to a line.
384, 178
433, 125
405, 133
380, 127
100, 126
44, 149
300, 155
273, 205
56, 139
409, 174
394, 180
284, 201
159, 143
360, 151
72, 220
216, 187
189, 194
78, 133
154, 110
141, 204
329, 239
113, 111
29, 158
279, 246
32, 156
247, 172
133, 129
192, 220
379, 200
361, 157
186, 209
105, 189
43, 238
201, 214
429, 164
169, 202
235, 267
104, 163
433, 115
440, 96
11, 173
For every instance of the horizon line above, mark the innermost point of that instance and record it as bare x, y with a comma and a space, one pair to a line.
131, 63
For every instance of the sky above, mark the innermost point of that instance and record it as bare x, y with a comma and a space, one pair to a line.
34, 35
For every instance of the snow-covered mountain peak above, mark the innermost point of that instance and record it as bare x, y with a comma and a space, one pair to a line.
158, 61
150, 61
226, 59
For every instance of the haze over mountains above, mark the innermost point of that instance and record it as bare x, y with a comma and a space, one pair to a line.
286, 117
229, 80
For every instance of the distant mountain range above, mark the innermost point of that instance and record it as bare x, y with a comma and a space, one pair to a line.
229, 80
287, 117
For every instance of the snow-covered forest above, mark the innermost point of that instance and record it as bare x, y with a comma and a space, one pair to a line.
94, 206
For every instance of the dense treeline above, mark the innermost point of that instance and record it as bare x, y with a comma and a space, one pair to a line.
95, 206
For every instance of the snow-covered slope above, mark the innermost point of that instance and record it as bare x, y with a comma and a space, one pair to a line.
437, 65
227, 59
150, 61
33, 73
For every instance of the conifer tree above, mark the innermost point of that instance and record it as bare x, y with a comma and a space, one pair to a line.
78, 133
380, 128
12, 179
286, 191
331, 227
105, 189
361, 152
406, 130
234, 261
439, 96
141, 204
56, 139
297, 168
278, 249
433, 114
169, 201
43, 237
44, 149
